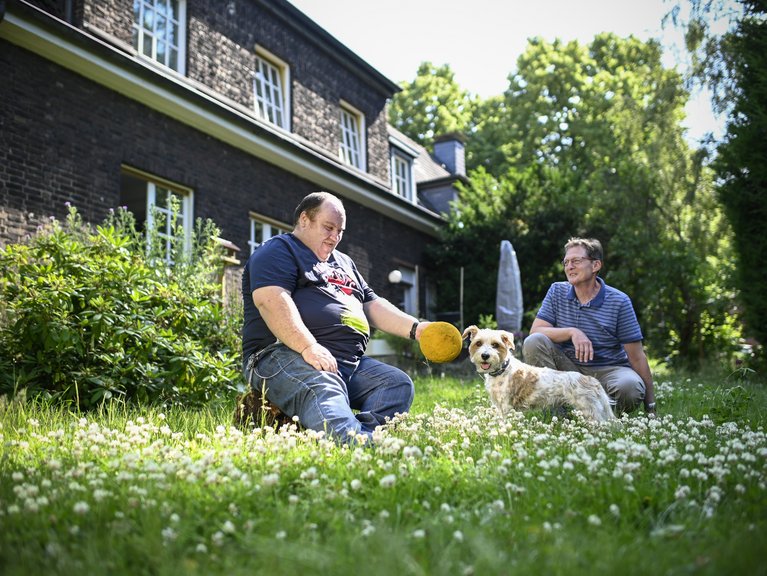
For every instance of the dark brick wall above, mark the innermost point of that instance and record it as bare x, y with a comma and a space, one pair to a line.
114, 17
221, 55
64, 138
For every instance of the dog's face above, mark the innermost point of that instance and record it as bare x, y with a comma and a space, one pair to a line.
488, 349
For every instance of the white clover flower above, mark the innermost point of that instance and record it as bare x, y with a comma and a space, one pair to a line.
228, 527
81, 508
281, 535
169, 534
412, 452
614, 510
99, 494
270, 479
201, 548
217, 538
388, 481
418, 534
309, 473
682, 492
368, 530
458, 536
595, 520
293, 499
356, 484
17, 476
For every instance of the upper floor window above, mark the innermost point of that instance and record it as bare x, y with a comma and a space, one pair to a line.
159, 31
261, 229
402, 175
352, 145
162, 209
271, 89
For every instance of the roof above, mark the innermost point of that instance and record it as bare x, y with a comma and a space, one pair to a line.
425, 167
293, 17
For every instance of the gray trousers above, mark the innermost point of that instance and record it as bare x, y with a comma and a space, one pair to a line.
623, 385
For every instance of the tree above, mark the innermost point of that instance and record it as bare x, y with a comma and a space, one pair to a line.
742, 162
521, 207
587, 141
432, 105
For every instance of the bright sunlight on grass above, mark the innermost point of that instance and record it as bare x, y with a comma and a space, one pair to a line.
450, 489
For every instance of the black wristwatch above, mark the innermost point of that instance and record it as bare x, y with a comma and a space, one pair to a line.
413, 329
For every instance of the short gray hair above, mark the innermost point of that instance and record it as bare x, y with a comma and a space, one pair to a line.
592, 245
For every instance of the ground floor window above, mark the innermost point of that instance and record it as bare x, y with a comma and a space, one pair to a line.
262, 228
159, 206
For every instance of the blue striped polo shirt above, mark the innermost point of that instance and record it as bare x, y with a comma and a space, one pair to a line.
608, 320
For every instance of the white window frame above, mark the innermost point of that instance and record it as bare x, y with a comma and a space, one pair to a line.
163, 229
402, 177
271, 89
352, 144
267, 227
154, 188
157, 36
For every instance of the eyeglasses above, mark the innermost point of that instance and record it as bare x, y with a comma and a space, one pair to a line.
574, 261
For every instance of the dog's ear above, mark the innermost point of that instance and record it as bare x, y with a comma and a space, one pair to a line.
508, 339
470, 332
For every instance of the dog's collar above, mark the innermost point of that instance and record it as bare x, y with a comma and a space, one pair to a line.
500, 370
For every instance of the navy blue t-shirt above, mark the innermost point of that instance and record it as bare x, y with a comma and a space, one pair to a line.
329, 296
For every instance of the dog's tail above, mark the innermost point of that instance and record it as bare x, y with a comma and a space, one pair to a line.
605, 406
595, 403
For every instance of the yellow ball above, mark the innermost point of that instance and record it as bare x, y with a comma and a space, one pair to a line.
441, 342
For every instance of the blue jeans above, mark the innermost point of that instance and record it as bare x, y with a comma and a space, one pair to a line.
623, 385
327, 401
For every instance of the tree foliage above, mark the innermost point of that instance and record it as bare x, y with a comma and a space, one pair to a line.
432, 105
742, 161
587, 141
520, 207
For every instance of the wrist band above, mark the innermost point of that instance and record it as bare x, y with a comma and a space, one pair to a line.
413, 329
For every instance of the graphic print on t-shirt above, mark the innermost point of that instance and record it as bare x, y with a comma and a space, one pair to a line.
346, 284
348, 294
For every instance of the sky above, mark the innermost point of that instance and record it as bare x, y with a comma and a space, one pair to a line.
482, 39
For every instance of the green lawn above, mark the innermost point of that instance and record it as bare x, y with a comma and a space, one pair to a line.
450, 489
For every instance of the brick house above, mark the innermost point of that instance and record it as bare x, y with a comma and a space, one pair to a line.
235, 109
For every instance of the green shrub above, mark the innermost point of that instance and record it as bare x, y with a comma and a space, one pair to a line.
89, 315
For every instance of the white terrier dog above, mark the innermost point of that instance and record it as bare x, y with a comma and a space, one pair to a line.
513, 384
